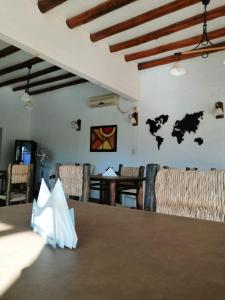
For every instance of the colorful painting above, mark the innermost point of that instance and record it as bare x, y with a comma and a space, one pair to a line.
103, 138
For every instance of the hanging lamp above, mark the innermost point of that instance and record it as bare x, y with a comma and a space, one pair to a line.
26, 96
205, 46
177, 69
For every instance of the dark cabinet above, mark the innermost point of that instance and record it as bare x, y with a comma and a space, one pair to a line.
25, 152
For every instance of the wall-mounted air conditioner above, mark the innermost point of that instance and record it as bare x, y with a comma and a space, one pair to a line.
103, 101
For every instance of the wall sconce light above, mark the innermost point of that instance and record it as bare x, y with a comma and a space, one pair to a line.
219, 113
134, 116
76, 124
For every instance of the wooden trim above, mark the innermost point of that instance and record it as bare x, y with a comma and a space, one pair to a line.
205, 50
172, 59
143, 18
20, 66
96, 12
44, 81
59, 86
8, 186
8, 50
86, 183
46, 5
32, 75
150, 198
175, 27
172, 46
57, 165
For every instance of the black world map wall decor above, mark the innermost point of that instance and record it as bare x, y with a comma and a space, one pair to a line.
155, 125
199, 141
189, 124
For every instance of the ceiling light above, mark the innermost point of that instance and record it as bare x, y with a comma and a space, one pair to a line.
29, 105
177, 69
26, 96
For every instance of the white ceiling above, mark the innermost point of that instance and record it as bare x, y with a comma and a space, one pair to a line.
71, 8
22, 56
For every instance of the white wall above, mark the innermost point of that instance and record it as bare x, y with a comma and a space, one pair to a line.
15, 124
198, 90
161, 94
50, 127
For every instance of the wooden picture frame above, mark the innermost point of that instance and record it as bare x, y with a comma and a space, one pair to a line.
103, 138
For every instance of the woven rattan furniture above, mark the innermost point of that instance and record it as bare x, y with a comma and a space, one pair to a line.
75, 180
19, 181
195, 194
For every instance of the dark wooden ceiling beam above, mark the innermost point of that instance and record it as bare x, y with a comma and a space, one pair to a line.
32, 75
96, 12
143, 18
46, 5
171, 59
20, 66
178, 26
172, 46
8, 50
44, 81
59, 86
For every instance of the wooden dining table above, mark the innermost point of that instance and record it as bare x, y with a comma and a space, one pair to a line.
122, 254
108, 187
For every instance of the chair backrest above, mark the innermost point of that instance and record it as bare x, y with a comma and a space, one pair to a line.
196, 194
72, 179
18, 173
75, 180
131, 171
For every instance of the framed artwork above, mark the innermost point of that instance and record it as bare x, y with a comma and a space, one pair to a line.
103, 138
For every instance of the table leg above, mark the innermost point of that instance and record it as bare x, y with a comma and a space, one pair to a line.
2, 185
112, 192
139, 196
101, 192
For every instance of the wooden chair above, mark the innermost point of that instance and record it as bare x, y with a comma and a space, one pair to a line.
18, 187
75, 180
129, 188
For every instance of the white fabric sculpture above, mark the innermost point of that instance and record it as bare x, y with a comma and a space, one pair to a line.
52, 219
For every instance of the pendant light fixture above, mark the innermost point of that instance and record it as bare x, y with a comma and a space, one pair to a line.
26, 96
29, 105
177, 69
205, 46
